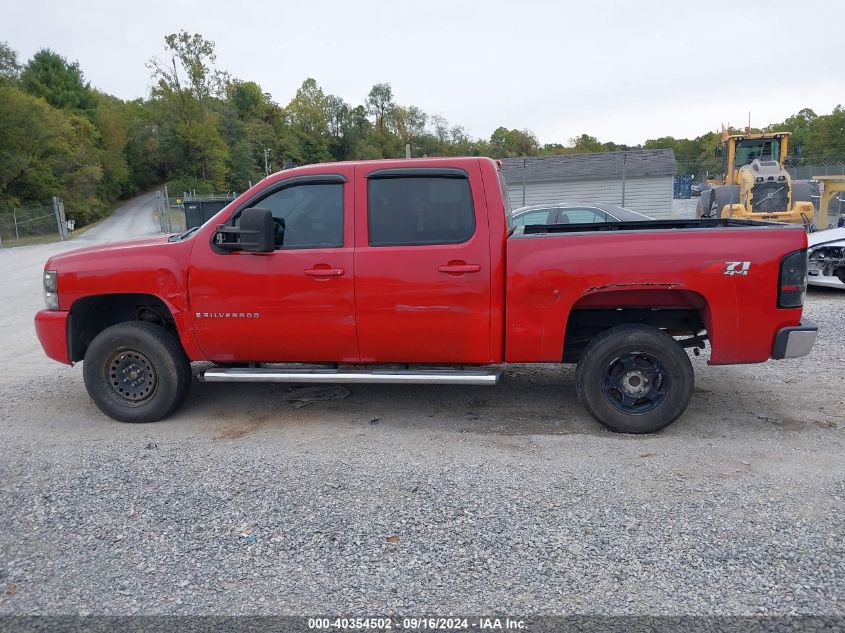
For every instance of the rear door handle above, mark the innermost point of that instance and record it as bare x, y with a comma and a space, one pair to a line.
459, 268
325, 272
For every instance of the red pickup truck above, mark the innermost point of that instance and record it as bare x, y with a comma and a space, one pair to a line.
410, 271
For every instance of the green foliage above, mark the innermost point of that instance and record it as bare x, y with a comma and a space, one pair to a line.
506, 143
176, 187
9, 68
33, 146
379, 104
189, 127
112, 130
59, 82
195, 57
825, 134
44, 151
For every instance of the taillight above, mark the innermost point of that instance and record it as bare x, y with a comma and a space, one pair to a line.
793, 280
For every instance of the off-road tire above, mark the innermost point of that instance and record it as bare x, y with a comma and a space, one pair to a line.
136, 372
658, 351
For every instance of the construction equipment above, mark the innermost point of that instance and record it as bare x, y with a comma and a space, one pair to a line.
756, 185
831, 187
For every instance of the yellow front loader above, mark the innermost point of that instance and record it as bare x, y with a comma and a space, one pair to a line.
756, 185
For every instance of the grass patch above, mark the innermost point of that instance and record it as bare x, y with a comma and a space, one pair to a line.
30, 240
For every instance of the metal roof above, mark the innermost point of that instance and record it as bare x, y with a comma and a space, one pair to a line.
637, 163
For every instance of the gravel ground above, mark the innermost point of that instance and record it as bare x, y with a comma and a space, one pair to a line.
414, 499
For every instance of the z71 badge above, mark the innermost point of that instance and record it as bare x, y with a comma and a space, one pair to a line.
737, 268
728, 268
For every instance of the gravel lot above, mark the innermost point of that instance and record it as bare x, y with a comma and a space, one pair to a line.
415, 499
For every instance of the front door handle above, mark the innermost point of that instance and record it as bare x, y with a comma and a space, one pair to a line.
459, 268
325, 272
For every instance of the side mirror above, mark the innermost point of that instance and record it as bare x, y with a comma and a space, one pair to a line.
254, 233
718, 151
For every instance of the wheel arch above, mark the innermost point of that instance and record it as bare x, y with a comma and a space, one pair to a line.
678, 312
92, 314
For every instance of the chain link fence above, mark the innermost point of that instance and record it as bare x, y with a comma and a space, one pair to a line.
33, 225
171, 213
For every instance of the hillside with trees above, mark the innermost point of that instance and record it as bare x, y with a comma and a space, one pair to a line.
204, 130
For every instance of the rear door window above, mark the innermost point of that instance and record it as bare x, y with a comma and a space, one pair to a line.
581, 215
540, 216
419, 210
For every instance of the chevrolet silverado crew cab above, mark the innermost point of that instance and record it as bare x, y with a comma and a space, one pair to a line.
410, 271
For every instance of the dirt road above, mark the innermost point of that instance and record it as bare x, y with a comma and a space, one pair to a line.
21, 273
418, 499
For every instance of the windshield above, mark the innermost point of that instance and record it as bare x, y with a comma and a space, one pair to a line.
759, 148
178, 237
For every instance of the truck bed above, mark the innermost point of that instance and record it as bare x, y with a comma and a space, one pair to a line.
725, 270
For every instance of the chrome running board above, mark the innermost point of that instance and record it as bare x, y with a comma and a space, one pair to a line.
352, 376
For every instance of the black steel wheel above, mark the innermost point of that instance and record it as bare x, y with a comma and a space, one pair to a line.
136, 372
634, 379
131, 377
636, 383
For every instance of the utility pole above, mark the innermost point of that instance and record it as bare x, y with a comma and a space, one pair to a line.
266, 164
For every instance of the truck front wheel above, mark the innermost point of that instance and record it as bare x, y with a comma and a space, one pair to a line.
136, 372
634, 379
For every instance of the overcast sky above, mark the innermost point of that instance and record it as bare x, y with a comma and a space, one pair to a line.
621, 71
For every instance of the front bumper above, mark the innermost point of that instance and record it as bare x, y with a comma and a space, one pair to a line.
51, 328
795, 341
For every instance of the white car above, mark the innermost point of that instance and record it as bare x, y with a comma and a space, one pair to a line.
826, 255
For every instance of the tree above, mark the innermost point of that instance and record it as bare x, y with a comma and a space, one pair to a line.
441, 128
249, 100
9, 68
33, 141
190, 125
196, 57
407, 123
586, 143
379, 103
826, 135
59, 82
687, 152
143, 148
112, 128
306, 115
241, 165
337, 115
799, 125
308, 108
505, 143
45, 152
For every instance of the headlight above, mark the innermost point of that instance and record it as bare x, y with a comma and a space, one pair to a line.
51, 290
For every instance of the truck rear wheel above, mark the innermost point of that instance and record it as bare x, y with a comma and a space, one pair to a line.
136, 372
634, 379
